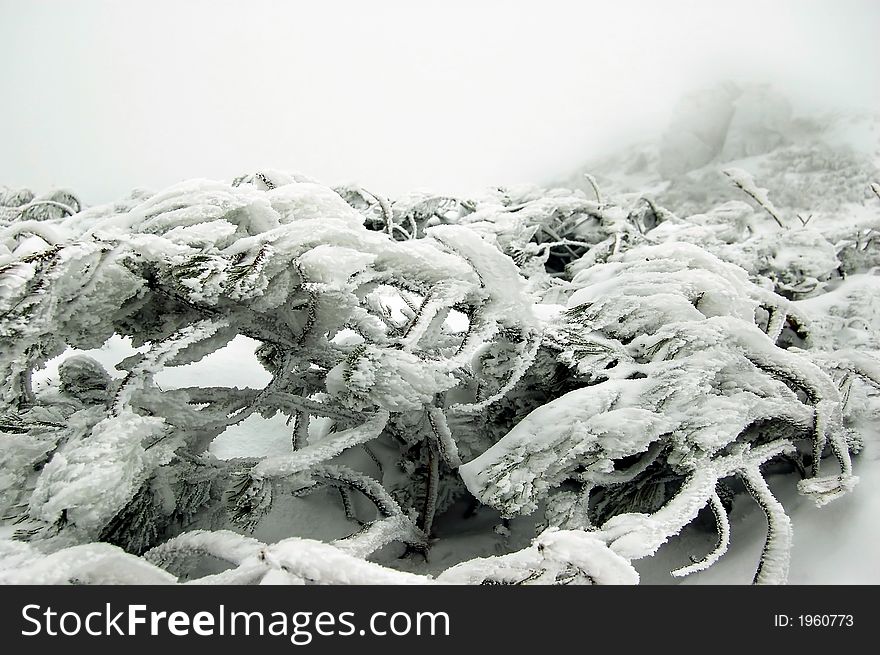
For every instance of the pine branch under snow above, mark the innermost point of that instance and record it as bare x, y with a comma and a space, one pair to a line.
529, 348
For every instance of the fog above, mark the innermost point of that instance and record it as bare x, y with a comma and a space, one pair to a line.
101, 97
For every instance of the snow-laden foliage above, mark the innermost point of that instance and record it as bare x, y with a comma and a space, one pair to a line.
610, 366
677, 377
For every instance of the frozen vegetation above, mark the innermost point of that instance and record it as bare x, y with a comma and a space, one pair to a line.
274, 381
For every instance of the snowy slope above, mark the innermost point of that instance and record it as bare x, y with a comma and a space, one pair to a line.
810, 164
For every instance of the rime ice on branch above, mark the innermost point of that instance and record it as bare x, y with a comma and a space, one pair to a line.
420, 333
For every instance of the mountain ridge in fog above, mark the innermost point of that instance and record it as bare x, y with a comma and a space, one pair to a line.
809, 161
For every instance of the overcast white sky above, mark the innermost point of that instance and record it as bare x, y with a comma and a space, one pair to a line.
101, 97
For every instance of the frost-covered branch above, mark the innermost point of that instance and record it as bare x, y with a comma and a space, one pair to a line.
746, 183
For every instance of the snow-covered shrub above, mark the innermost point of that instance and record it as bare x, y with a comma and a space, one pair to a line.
525, 349
293, 267
677, 375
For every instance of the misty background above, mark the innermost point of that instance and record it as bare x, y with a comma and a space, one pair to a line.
101, 97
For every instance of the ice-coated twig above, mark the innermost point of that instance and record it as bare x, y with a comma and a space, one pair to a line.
225, 545
309, 456
47, 203
431, 490
592, 180
315, 561
525, 360
154, 360
776, 554
337, 474
723, 525
640, 535
377, 534
746, 183
445, 441
625, 475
